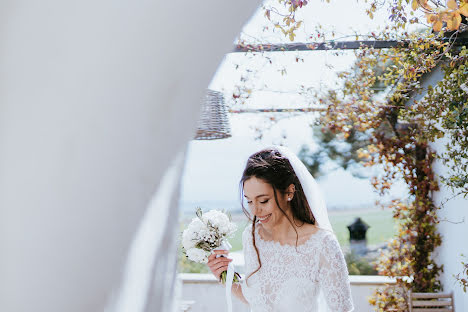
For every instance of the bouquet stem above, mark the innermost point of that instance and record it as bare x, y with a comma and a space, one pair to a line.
235, 279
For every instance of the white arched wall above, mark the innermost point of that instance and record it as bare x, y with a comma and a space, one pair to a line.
454, 230
453, 214
97, 98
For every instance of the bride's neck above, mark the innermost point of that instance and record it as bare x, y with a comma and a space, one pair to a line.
282, 231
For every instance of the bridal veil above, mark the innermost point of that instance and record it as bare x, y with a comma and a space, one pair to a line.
311, 189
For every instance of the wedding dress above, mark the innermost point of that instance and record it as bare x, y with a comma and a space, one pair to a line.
294, 280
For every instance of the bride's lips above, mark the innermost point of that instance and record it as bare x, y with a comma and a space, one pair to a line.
264, 219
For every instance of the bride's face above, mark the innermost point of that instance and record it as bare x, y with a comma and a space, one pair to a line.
260, 198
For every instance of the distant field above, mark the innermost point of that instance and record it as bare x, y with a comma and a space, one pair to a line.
380, 221
382, 226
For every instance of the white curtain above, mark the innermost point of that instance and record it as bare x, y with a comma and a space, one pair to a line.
97, 102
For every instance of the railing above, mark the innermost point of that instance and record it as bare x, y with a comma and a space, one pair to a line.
207, 295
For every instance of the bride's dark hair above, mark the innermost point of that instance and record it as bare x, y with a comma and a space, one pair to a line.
275, 169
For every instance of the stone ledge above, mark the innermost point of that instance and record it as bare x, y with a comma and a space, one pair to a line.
371, 280
197, 278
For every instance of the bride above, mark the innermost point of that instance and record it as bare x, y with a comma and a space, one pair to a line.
293, 261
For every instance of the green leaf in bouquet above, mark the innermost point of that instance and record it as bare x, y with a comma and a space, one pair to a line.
199, 212
235, 279
204, 245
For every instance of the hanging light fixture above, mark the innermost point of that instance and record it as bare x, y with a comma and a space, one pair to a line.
213, 123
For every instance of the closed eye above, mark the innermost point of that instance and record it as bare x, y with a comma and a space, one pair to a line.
264, 202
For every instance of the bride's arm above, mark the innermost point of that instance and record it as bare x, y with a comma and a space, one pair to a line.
237, 291
333, 276
219, 265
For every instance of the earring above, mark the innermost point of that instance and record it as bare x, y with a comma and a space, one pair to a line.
289, 198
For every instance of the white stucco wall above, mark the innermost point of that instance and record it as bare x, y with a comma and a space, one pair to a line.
454, 230
97, 97
454, 216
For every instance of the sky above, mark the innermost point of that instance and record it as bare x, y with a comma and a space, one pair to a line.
213, 168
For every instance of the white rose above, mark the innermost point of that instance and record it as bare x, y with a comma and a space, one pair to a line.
187, 239
219, 220
197, 255
196, 226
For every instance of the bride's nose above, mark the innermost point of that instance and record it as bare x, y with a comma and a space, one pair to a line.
256, 211
253, 208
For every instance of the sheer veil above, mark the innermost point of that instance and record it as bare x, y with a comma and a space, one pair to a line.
316, 203
311, 188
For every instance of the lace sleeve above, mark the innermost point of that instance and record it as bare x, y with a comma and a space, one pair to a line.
249, 252
333, 277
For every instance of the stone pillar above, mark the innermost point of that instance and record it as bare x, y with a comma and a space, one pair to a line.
357, 237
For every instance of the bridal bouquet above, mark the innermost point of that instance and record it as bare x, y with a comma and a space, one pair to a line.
208, 232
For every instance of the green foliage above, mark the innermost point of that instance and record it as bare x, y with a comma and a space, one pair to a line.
451, 115
462, 277
359, 265
344, 152
287, 23
401, 129
399, 142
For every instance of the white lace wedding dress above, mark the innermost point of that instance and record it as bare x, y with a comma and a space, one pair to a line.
291, 280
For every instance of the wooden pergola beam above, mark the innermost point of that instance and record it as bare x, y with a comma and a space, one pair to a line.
276, 110
333, 45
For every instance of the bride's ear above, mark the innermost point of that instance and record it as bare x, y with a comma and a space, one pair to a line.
290, 192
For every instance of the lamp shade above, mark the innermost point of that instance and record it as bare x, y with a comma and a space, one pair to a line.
213, 122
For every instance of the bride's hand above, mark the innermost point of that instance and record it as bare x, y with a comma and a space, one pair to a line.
218, 265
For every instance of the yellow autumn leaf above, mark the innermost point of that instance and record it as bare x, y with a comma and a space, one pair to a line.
452, 4
431, 18
450, 24
415, 5
425, 5
437, 26
453, 20
456, 20
464, 9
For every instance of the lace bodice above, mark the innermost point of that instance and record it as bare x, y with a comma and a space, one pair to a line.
291, 280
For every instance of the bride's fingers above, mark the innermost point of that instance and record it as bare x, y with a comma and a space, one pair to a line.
220, 265
220, 260
217, 252
217, 262
220, 252
217, 273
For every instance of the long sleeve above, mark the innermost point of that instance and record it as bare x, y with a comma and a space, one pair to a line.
333, 276
248, 250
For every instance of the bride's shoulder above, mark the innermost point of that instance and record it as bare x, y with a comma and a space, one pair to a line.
247, 231
329, 238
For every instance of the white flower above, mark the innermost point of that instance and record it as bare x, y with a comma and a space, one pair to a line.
464, 87
197, 255
220, 221
196, 225
187, 239
198, 233
193, 233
